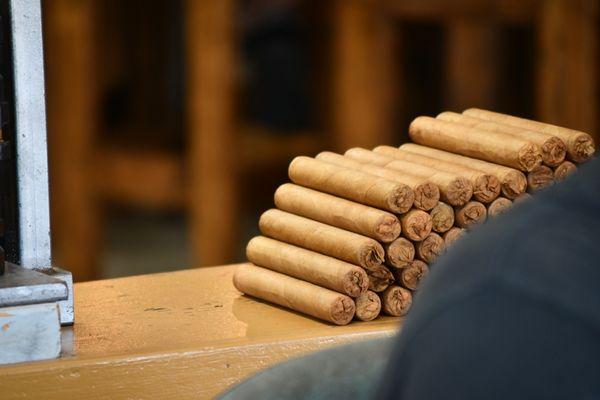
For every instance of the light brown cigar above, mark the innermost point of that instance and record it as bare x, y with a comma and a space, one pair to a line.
552, 148
442, 217
325, 239
349, 184
399, 253
495, 147
580, 145
372, 222
486, 187
539, 178
307, 265
431, 247
425, 193
380, 278
396, 301
563, 170
294, 293
470, 214
522, 198
498, 206
452, 236
454, 189
411, 276
416, 225
513, 182
368, 306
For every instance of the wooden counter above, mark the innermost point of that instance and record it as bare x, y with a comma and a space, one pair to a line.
187, 334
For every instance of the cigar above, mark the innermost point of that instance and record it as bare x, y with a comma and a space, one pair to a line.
349, 184
494, 147
345, 214
442, 217
325, 239
425, 193
513, 182
380, 278
552, 148
416, 225
294, 293
307, 265
368, 306
396, 301
540, 178
400, 252
486, 187
454, 189
411, 276
498, 206
431, 247
470, 214
452, 235
580, 145
563, 170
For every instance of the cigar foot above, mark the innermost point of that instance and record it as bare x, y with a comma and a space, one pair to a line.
459, 191
388, 228
565, 169
416, 225
380, 279
402, 200
368, 306
399, 253
514, 184
498, 206
583, 148
470, 214
427, 196
486, 188
411, 276
442, 218
355, 283
431, 247
396, 301
540, 177
452, 236
373, 256
553, 151
342, 311
530, 157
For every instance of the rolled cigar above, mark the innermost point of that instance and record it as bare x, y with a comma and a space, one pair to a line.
294, 293
349, 215
380, 278
411, 276
454, 189
552, 148
513, 182
563, 170
307, 265
396, 301
325, 239
442, 217
425, 193
416, 225
400, 252
429, 248
539, 178
495, 147
349, 184
470, 214
498, 206
452, 236
580, 145
368, 306
486, 187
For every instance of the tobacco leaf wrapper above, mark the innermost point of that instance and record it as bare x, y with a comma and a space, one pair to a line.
368, 306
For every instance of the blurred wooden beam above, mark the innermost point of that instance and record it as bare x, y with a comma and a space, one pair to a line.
210, 48
72, 124
363, 76
567, 69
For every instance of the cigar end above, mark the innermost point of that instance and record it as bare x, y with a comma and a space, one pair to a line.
565, 169
342, 311
400, 253
412, 276
486, 188
498, 206
416, 225
372, 255
368, 306
427, 195
388, 229
540, 177
380, 279
430, 248
452, 236
397, 301
554, 151
356, 282
402, 199
514, 184
583, 148
471, 214
442, 218
530, 157
459, 191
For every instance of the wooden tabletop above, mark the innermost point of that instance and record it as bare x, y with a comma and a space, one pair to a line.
174, 335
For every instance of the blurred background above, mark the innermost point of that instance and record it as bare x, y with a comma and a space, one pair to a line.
172, 122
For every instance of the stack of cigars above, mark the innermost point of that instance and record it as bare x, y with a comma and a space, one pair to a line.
353, 235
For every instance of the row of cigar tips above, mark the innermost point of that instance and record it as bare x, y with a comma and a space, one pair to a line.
354, 234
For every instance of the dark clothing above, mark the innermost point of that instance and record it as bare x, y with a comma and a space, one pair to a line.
513, 309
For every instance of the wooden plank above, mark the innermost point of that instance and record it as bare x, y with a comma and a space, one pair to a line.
363, 76
186, 334
567, 65
472, 68
72, 125
210, 123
